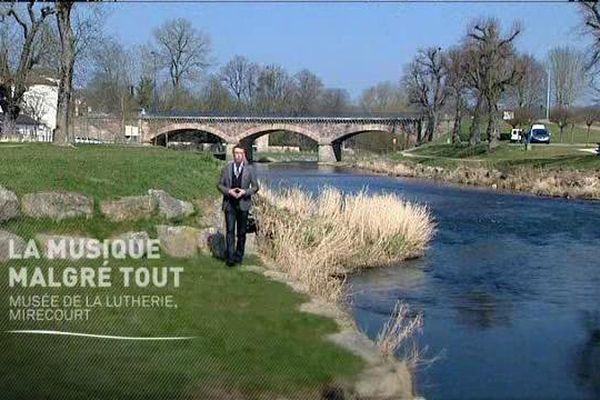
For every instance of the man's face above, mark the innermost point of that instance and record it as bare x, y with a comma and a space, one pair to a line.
238, 155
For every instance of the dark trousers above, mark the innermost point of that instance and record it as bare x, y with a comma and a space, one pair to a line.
234, 217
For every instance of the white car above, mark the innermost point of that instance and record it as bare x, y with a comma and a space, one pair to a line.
539, 134
516, 134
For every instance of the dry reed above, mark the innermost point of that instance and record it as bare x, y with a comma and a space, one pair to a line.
318, 240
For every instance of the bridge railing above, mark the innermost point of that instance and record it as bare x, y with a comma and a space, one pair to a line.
281, 115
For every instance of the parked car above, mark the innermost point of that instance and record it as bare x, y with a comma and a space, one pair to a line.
516, 134
539, 134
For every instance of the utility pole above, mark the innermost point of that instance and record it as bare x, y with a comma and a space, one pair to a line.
548, 94
154, 70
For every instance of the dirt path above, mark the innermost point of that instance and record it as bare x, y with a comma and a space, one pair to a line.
408, 154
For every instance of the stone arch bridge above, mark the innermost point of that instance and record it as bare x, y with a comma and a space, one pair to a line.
328, 132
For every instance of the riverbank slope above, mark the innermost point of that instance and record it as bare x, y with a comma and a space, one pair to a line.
558, 171
250, 339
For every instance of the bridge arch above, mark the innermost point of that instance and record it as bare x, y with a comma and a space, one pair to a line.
363, 129
191, 126
255, 132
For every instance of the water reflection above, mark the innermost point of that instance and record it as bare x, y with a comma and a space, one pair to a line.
481, 310
501, 288
588, 357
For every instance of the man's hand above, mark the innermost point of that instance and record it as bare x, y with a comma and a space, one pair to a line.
237, 192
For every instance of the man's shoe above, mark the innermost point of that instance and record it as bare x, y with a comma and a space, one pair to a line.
230, 263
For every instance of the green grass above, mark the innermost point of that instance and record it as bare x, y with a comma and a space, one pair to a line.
104, 171
576, 136
251, 340
505, 156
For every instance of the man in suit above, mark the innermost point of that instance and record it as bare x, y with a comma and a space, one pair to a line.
237, 183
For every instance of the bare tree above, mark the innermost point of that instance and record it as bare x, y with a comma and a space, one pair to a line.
385, 97
239, 76
79, 30
590, 11
561, 116
22, 47
425, 82
182, 49
109, 88
308, 90
568, 75
62, 135
492, 69
216, 96
588, 115
87, 21
528, 90
274, 90
335, 101
457, 87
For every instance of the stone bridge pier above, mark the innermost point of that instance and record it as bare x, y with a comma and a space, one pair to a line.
327, 132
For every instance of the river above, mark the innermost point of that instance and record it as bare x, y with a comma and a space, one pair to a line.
509, 289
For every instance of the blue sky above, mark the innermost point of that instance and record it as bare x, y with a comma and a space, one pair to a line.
351, 46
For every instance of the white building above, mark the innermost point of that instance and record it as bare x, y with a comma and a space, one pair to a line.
41, 100
37, 119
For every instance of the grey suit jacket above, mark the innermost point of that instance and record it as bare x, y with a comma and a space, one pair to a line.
249, 184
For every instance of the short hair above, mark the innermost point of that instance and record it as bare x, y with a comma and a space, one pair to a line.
238, 146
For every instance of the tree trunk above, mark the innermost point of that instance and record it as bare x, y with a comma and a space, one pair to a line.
457, 122
493, 135
588, 135
474, 133
419, 133
9, 127
560, 132
432, 121
62, 134
9, 124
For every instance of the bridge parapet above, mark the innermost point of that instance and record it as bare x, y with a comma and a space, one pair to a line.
328, 132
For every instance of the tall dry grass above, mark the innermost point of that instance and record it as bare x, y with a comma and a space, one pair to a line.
318, 240
398, 334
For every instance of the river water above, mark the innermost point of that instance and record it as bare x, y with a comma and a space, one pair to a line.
509, 289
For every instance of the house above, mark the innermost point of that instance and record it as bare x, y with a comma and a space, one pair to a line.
37, 120
28, 129
41, 100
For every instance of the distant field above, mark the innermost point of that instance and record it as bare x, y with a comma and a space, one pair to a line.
505, 155
576, 136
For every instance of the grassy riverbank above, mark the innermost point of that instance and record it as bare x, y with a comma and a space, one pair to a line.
316, 240
562, 171
250, 339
